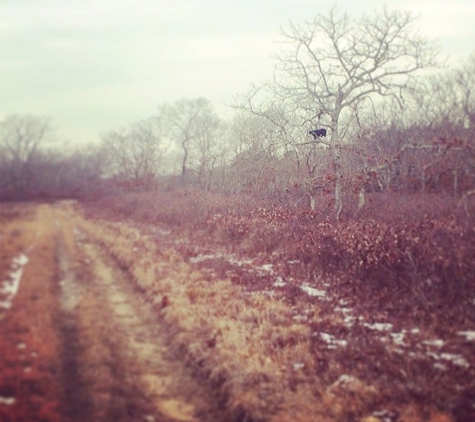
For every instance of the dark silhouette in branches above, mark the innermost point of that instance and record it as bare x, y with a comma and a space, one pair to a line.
318, 133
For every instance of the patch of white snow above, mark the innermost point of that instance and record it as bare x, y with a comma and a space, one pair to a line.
268, 268
345, 379
455, 359
398, 338
333, 342
469, 335
379, 326
434, 342
239, 263
10, 287
9, 401
205, 257
312, 291
300, 318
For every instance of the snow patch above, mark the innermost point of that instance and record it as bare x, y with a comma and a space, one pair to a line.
10, 287
440, 366
469, 335
343, 310
300, 318
435, 342
332, 342
385, 415
312, 291
9, 401
270, 293
344, 379
455, 359
268, 268
379, 326
205, 257
398, 338
348, 319
238, 262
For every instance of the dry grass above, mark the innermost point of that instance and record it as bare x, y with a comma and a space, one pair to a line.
333, 383
12, 238
248, 346
29, 367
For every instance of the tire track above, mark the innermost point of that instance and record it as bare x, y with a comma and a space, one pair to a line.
117, 364
76, 400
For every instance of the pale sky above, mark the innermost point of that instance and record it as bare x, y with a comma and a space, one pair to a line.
97, 65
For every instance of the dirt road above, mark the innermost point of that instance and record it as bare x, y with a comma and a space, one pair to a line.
119, 356
104, 320
113, 359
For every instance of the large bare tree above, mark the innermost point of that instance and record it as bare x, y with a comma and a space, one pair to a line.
334, 66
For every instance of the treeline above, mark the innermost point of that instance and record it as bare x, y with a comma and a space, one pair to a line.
428, 147
389, 129
35, 165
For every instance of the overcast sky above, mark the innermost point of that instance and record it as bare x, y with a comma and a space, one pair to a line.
97, 65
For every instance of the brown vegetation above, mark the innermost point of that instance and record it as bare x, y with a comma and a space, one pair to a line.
281, 314
297, 278
30, 342
263, 344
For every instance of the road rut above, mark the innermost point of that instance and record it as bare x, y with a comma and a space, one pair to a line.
117, 363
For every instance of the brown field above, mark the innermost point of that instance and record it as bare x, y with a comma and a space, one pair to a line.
171, 307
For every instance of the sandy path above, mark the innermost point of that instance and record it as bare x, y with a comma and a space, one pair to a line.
117, 363
89, 337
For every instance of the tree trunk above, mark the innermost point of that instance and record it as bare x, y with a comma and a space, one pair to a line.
361, 198
312, 202
456, 182
336, 155
185, 158
338, 197
423, 183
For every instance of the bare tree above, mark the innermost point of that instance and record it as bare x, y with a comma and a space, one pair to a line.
465, 79
59, 173
444, 118
137, 151
334, 66
210, 148
21, 137
260, 152
190, 125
